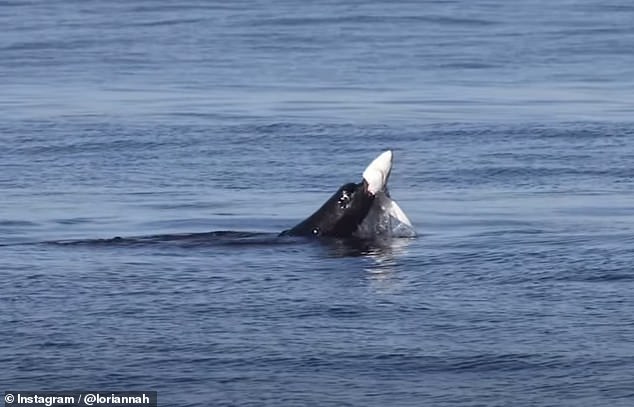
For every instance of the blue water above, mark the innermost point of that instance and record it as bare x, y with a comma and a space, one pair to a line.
196, 131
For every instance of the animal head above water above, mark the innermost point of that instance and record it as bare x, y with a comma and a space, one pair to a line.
340, 215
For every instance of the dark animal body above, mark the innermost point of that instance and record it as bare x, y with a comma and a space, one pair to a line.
340, 216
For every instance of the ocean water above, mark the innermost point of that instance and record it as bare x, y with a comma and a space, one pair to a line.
150, 152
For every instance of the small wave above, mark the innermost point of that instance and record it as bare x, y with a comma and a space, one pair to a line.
406, 363
13, 223
597, 276
73, 221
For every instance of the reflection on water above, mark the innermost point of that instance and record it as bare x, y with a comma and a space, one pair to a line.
385, 260
379, 249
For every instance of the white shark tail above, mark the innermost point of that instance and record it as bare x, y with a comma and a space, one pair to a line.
377, 173
386, 218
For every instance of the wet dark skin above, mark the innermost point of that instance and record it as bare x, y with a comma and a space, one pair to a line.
339, 216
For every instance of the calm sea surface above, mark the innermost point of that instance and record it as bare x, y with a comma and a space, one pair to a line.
196, 131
